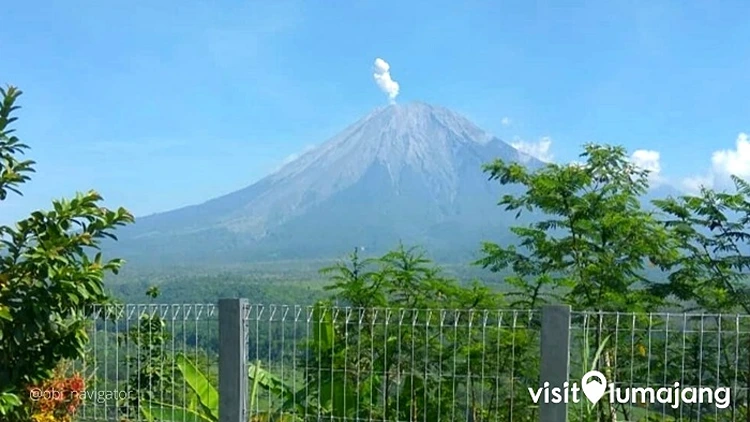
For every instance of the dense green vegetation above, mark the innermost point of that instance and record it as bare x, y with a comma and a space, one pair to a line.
47, 279
288, 283
392, 337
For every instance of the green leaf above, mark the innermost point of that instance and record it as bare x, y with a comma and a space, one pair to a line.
322, 321
208, 397
336, 398
8, 401
163, 412
599, 351
268, 381
5, 313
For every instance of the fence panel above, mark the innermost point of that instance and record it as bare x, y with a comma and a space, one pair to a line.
147, 359
671, 367
348, 364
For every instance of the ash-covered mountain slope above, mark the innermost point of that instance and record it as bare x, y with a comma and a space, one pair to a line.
408, 173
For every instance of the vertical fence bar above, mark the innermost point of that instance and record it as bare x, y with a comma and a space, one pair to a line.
555, 353
233, 375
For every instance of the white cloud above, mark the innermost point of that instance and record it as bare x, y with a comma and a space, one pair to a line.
724, 163
383, 78
539, 149
649, 160
695, 183
506, 121
733, 162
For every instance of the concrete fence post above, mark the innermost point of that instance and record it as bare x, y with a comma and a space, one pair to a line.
233, 369
555, 353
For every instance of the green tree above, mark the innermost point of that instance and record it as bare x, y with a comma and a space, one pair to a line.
711, 277
407, 342
590, 247
48, 280
711, 272
597, 242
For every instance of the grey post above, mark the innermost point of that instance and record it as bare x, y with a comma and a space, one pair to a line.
233, 375
555, 365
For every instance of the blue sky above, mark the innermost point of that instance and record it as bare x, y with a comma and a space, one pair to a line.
161, 104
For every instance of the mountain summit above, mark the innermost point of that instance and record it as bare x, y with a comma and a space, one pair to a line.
408, 173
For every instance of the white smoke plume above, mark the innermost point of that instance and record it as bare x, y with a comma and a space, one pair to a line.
383, 78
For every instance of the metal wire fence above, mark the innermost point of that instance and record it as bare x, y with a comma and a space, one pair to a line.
349, 364
140, 357
686, 367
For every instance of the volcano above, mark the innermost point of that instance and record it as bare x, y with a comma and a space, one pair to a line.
407, 173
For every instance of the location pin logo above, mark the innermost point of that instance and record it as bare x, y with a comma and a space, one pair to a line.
593, 385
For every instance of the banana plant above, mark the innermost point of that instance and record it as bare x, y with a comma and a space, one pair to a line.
205, 407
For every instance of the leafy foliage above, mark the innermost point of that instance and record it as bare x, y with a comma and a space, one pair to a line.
206, 408
373, 369
595, 245
48, 280
711, 227
596, 249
